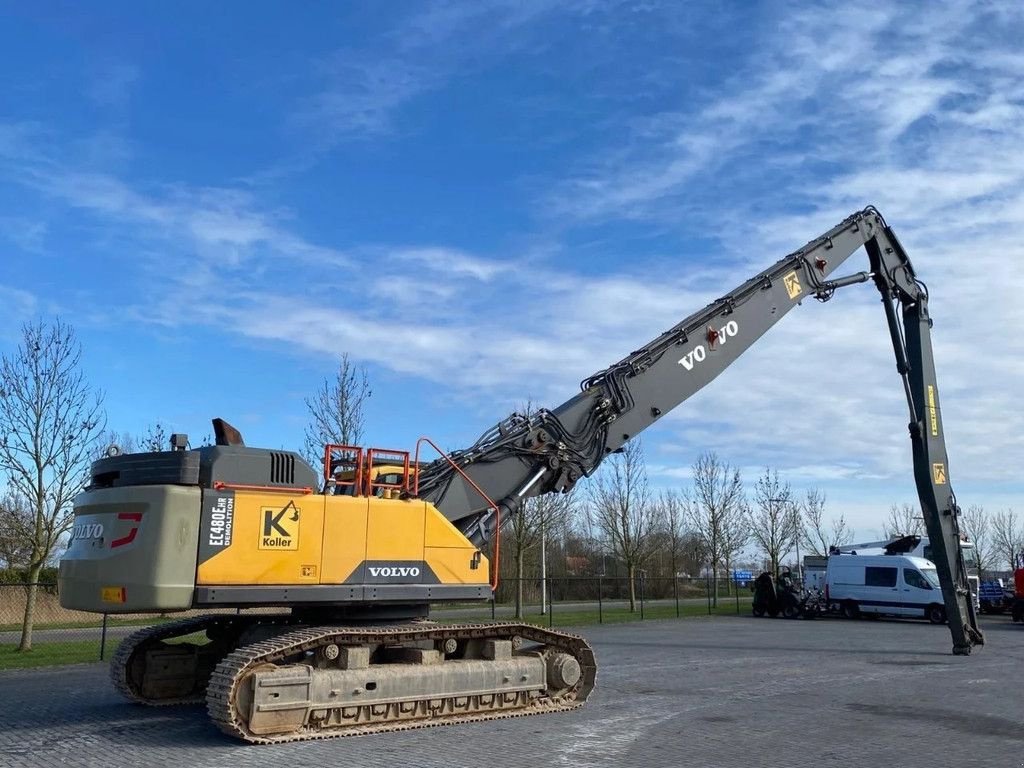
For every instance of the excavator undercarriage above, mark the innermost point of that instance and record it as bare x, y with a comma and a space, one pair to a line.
313, 682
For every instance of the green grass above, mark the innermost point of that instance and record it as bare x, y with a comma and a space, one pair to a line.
112, 621
52, 654
578, 618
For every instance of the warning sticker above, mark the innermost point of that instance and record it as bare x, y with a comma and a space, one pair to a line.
792, 283
280, 527
939, 473
933, 411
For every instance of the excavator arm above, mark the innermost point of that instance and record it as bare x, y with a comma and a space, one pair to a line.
552, 449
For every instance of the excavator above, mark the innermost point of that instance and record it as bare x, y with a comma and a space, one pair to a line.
329, 573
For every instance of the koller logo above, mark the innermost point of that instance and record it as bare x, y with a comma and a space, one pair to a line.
391, 571
280, 529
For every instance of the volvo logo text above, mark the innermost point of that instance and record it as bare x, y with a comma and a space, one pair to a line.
87, 531
699, 353
393, 571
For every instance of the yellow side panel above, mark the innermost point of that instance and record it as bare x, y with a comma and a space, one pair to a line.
276, 539
344, 546
452, 565
395, 529
449, 554
439, 532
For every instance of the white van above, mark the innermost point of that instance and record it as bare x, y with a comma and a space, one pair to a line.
896, 585
922, 548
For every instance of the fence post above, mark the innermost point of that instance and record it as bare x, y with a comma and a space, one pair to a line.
675, 592
600, 606
707, 586
103, 638
643, 578
736, 590
551, 606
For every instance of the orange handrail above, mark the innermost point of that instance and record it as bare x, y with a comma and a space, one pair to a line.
356, 460
478, 489
220, 485
385, 454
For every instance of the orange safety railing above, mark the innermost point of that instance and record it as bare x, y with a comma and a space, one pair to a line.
376, 456
478, 489
344, 458
220, 485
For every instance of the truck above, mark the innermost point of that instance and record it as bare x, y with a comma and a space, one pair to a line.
1017, 606
345, 560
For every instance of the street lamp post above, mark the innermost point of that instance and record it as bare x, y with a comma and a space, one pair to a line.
796, 540
543, 570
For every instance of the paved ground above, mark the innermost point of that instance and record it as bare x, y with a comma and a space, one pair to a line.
751, 693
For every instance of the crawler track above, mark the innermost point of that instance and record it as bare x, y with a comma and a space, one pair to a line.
289, 650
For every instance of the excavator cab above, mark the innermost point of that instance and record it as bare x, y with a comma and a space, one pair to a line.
350, 470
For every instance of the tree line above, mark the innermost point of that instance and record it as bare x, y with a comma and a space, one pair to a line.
53, 425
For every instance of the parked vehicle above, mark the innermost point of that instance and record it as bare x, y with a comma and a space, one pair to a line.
895, 585
995, 597
1017, 610
771, 598
919, 546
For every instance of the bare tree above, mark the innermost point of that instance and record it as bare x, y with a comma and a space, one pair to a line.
672, 513
50, 420
773, 518
155, 439
903, 520
816, 535
622, 509
1007, 537
15, 549
712, 507
539, 516
336, 410
977, 527
735, 535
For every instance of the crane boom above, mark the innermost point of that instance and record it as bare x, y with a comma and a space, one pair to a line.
552, 449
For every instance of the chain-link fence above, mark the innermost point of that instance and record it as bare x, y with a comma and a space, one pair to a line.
61, 636
570, 600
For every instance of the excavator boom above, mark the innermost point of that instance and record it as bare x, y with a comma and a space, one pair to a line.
551, 451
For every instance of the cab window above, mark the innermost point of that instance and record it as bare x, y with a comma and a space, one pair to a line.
915, 579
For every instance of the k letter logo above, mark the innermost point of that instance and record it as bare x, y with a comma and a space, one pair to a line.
280, 527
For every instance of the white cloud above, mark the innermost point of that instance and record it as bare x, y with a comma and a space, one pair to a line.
362, 88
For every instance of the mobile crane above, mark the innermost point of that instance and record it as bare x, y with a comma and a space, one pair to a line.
359, 561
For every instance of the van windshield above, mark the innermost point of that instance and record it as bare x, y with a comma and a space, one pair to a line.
932, 575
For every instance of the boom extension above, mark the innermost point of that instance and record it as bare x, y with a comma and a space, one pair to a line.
550, 451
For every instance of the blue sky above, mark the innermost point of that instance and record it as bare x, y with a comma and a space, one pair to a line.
486, 202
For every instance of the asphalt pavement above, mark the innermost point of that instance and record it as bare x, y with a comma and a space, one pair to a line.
708, 693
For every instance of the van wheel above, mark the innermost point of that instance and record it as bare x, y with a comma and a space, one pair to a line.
936, 614
758, 610
850, 610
